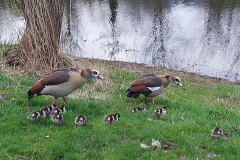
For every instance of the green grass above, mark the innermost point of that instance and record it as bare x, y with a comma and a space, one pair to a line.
3, 48
201, 103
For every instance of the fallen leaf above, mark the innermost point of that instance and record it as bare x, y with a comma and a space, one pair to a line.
168, 145
29, 109
149, 119
226, 136
156, 145
183, 156
3, 97
144, 146
210, 155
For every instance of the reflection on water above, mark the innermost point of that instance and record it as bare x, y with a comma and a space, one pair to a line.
201, 36
10, 23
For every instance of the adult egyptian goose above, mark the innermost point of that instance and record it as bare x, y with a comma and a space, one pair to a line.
62, 82
111, 118
216, 132
81, 120
160, 111
151, 85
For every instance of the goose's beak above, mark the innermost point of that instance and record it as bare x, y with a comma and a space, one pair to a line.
100, 77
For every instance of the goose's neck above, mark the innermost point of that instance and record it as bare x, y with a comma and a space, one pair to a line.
165, 80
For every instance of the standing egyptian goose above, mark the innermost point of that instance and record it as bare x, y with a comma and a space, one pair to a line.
160, 111
151, 85
81, 120
216, 132
111, 118
62, 82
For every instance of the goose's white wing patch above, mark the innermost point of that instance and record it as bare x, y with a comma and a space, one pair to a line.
153, 88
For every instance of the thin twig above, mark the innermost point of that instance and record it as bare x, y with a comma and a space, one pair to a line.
161, 136
17, 85
179, 96
124, 134
23, 156
88, 142
191, 144
8, 156
34, 152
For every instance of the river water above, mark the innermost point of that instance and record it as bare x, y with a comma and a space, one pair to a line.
200, 36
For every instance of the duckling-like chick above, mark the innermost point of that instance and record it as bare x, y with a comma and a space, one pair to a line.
81, 120
56, 110
111, 118
35, 115
160, 111
63, 109
47, 109
216, 132
57, 118
138, 109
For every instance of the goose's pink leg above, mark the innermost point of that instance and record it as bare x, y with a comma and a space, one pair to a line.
65, 100
56, 102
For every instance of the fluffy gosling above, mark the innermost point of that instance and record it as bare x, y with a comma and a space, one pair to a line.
81, 120
160, 111
111, 118
137, 109
36, 115
57, 118
216, 132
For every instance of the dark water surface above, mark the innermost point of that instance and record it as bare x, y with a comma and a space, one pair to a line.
201, 36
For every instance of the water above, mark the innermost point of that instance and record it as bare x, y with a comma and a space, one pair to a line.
201, 36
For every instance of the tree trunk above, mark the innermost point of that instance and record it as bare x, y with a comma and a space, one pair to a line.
39, 47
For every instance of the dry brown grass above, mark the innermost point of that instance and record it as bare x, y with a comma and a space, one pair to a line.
88, 91
38, 48
136, 68
105, 67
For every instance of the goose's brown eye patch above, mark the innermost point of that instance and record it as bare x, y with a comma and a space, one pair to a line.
177, 80
94, 72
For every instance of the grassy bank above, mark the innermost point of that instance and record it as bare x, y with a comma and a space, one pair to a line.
192, 112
